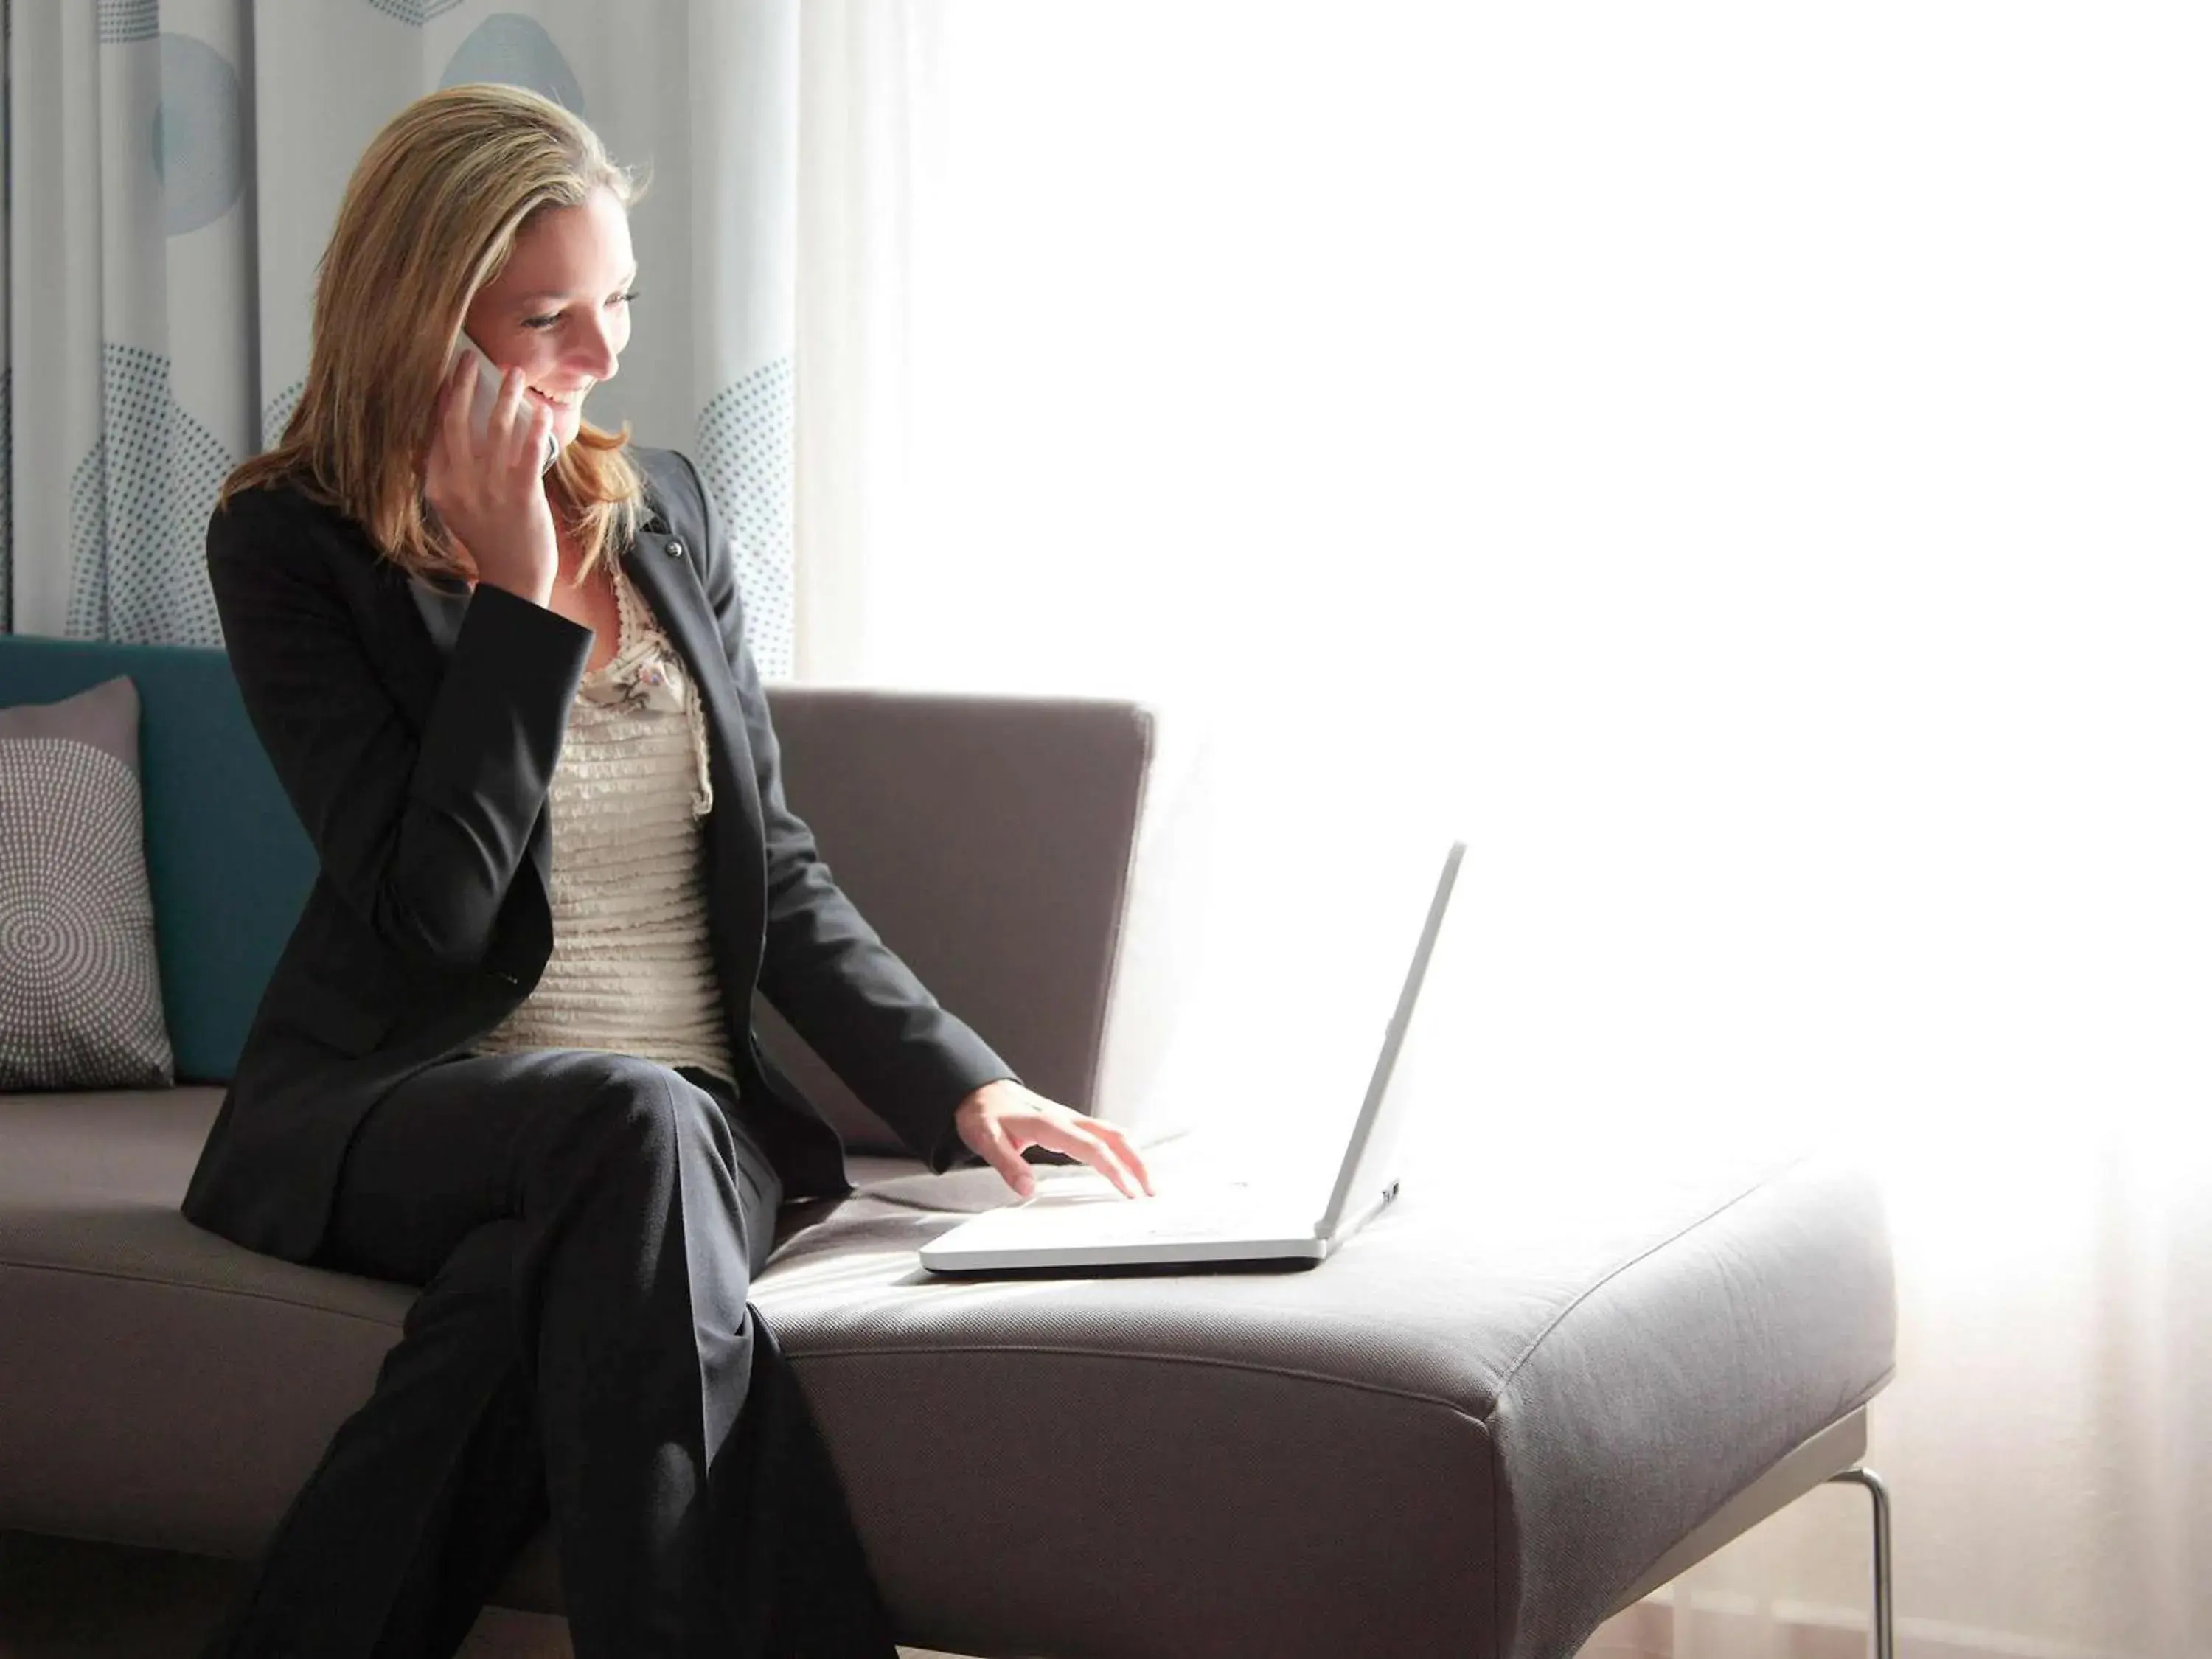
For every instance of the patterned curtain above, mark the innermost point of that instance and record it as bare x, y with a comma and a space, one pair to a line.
173, 169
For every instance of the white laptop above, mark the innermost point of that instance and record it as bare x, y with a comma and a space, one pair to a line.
1077, 1222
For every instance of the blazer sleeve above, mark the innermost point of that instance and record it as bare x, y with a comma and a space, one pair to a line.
824, 969
420, 831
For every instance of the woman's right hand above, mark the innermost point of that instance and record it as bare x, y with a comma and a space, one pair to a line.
490, 491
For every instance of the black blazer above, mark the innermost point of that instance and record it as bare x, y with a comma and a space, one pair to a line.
419, 765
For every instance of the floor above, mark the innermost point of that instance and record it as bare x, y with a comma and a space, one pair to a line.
67, 1600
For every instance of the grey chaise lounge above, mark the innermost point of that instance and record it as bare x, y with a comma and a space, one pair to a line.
1513, 1404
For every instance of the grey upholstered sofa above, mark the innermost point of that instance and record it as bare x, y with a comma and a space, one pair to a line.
1507, 1408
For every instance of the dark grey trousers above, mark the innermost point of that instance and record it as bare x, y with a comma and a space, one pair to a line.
585, 1227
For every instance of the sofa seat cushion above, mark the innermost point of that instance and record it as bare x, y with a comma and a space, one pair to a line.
1495, 1406
166, 1387
1471, 1430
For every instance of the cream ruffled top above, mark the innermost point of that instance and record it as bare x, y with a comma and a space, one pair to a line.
631, 971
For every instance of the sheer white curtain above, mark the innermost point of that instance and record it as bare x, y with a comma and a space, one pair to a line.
173, 168
1748, 471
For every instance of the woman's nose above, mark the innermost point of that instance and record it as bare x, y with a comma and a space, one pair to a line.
599, 352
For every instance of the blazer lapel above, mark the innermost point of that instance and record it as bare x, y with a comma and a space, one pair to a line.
663, 564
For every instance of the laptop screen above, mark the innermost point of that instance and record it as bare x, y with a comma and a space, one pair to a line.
1369, 1167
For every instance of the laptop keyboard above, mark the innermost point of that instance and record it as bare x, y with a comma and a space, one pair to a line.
1218, 1213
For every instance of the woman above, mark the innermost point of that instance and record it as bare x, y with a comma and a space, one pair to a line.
507, 1054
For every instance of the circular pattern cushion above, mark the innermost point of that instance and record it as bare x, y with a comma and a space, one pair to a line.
80, 986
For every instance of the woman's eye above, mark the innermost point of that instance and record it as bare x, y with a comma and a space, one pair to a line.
548, 322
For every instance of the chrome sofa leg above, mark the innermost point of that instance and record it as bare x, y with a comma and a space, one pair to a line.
1885, 1617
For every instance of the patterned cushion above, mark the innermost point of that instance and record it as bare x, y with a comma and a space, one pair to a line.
80, 987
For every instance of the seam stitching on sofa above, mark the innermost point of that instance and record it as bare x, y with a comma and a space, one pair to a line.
204, 1290
1506, 1377
808, 1356
1496, 1523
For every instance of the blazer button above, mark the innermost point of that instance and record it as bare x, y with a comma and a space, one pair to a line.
675, 549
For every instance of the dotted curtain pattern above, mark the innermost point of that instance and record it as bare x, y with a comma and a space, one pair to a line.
128, 19
174, 168
746, 457
143, 494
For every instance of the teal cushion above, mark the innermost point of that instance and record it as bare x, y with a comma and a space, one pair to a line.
229, 864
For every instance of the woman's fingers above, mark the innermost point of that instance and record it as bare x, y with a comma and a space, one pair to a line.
535, 440
1112, 1158
505, 416
1125, 1149
520, 428
999, 1151
999, 1122
468, 472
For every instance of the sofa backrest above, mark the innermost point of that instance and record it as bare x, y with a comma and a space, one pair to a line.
989, 839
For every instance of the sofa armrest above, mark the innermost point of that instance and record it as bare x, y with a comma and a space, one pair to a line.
990, 839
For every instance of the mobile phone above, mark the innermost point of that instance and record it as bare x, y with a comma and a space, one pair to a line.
488, 380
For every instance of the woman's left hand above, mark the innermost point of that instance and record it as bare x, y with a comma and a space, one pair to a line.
1000, 1119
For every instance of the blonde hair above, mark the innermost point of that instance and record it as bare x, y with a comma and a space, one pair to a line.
431, 216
